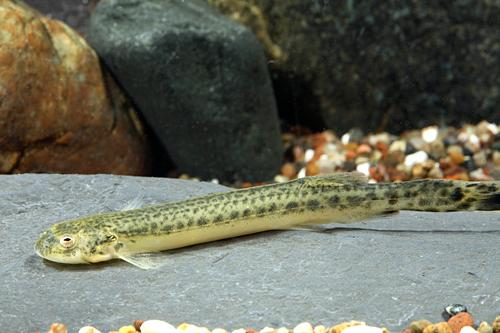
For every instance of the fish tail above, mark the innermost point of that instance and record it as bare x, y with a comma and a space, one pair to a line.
450, 195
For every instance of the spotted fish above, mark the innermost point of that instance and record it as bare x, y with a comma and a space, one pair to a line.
339, 198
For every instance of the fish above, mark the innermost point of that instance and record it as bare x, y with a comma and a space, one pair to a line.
133, 235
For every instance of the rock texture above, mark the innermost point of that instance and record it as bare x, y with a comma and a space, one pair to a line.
391, 66
58, 111
410, 268
75, 13
200, 81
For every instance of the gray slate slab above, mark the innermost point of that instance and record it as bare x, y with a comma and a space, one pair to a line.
411, 269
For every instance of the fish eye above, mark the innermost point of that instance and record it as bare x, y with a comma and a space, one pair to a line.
67, 241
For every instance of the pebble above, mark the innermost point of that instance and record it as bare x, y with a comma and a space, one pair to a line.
456, 154
241, 330
157, 326
363, 329
468, 329
418, 157
441, 327
484, 327
137, 324
282, 330
418, 326
460, 320
496, 325
303, 328
265, 330
127, 329
88, 329
58, 328
342, 326
319, 329
219, 330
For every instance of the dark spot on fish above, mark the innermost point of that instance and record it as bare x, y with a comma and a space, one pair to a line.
292, 205
167, 228
180, 225
470, 200
424, 202
272, 208
247, 212
261, 211
120, 245
202, 221
457, 194
234, 214
313, 204
354, 200
444, 192
218, 218
333, 201
464, 206
346, 188
393, 201
371, 196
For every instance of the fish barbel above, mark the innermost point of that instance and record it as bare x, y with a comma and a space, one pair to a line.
339, 198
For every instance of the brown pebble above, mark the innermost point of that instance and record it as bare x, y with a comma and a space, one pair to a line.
137, 324
496, 325
288, 170
406, 330
441, 327
460, 320
456, 154
418, 326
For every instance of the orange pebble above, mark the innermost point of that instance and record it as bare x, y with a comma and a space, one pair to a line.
460, 320
312, 169
364, 149
442, 327
288, 170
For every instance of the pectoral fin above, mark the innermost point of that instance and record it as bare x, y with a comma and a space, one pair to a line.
143, 260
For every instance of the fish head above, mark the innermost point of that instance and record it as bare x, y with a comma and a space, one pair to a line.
76, 242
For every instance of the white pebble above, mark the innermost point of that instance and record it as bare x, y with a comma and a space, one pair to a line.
430, 134
398, 145
157, 326
319, 329
418, 157
282, 330
362, 329
267, 330
219, 330
88, 329
241, 330
303, 328
308, 155
364, 168
468, 329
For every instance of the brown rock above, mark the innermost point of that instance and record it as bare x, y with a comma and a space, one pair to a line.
58, 111
460, 320
484, 327
441, 327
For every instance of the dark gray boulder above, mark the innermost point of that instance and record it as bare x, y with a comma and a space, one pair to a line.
413, 266
199, 79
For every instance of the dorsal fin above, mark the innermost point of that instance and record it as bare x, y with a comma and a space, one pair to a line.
341, 178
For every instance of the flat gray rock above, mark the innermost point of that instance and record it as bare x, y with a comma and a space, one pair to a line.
412, 266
